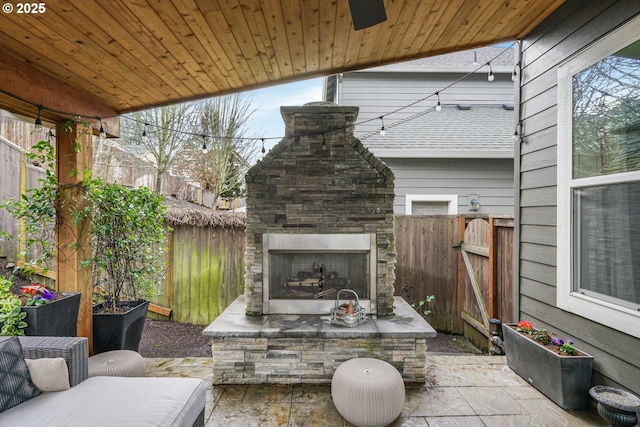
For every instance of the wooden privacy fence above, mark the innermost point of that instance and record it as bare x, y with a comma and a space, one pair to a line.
466, 262
206, 272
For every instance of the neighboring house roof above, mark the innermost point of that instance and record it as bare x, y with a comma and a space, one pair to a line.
473, 131
502, 60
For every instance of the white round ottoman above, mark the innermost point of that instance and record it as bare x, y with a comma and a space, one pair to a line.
368, 392
117, 363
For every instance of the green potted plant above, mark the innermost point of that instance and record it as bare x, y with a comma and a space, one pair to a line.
550, 364
128, 233
46, 312
11, 317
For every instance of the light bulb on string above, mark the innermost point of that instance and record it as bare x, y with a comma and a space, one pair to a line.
204, 145
490, 76
438, 105
382, 131
324, 143
263, 150
102, 133
38, 128
514, 74
145, 137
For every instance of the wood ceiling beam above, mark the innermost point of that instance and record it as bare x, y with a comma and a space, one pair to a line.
27, 87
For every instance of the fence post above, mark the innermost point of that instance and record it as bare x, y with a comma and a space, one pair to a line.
461, 228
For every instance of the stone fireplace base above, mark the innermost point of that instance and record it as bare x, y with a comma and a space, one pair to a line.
298, 348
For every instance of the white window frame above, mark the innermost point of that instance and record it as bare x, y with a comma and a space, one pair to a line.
621, 318
451, 199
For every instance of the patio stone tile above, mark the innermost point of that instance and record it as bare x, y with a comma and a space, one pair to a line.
471, 421
306, 393
437, 401
230, 392
479, 375
524, 392
410, 422
510, 421
314, 414
234, 414
491, 401
551, 415
259, 393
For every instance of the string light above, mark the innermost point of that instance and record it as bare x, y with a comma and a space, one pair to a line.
324, 143
514, 75
103, 134
145, 137
38, 123
475, 58
204, 145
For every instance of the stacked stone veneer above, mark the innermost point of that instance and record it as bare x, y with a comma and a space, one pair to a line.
320, 179
295, 360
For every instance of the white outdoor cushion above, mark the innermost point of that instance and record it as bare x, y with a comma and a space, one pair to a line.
49, 373
114, 401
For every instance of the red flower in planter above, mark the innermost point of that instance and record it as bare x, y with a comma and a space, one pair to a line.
525, 326
39, 294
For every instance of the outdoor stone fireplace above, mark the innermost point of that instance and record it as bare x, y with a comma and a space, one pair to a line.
319, 219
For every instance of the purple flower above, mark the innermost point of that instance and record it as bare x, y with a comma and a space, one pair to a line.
47, 294
557, 341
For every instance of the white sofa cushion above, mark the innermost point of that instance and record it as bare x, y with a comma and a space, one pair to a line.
114, 401
49, 373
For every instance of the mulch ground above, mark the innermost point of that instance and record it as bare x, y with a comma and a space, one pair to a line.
171, 339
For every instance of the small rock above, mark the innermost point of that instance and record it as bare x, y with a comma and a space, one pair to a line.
9, 265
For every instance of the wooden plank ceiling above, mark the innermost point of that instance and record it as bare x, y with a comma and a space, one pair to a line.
102, 58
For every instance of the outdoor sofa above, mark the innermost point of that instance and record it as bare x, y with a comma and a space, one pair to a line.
96, 401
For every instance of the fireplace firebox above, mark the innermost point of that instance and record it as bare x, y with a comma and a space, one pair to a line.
304, 272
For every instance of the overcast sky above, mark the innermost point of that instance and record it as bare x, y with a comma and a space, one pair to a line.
267, 121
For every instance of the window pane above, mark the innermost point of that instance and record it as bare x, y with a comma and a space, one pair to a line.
429, 208
607, 241
606, 115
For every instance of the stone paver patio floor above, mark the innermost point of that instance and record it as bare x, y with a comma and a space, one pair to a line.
462, 390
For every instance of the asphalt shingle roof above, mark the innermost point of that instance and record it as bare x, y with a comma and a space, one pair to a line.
480, 130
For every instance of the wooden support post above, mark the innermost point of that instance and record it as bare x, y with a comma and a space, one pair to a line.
74, 239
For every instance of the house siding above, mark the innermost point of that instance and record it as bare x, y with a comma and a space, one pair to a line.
572, 27
492, 179
376, 94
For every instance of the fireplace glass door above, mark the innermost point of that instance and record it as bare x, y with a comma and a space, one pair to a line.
318, 275
302, 273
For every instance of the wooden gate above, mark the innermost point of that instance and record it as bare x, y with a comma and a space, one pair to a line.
484, 292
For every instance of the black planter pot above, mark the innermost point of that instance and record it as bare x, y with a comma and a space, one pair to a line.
119, 331
58, 318
563, 379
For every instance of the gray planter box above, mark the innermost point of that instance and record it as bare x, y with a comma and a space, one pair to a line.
58, 318
119, 331
563, 379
